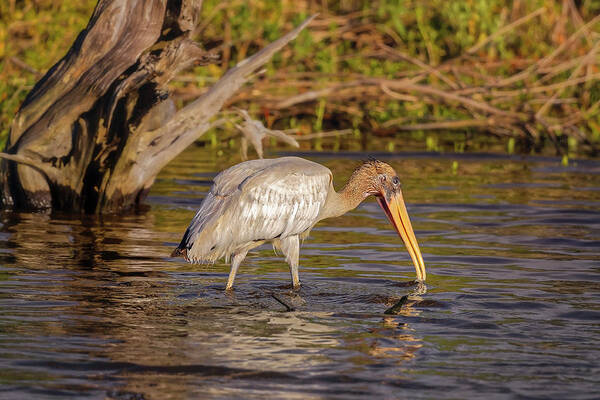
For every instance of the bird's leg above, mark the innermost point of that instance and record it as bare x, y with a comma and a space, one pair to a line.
290, 246
236, 260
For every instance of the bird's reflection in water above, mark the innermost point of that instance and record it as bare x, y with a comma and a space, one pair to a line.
406, 344
392, 338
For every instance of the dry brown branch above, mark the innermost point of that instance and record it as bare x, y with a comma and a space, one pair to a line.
323, 134
462, 124
193, 120
317, 94
419, 63
397, 96
590, 56
546, 88
425, 89
552, 71
549, 58
23, 65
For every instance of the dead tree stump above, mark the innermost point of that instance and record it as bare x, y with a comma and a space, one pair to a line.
95, 131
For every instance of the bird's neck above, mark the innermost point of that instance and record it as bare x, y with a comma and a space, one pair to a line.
339, 203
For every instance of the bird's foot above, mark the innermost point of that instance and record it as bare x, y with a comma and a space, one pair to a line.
420, 288
414, 296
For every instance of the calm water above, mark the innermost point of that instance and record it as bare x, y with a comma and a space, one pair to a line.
96, 308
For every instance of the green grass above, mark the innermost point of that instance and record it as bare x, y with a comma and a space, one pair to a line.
39, 32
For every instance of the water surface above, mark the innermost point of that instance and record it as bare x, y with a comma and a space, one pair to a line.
95, 307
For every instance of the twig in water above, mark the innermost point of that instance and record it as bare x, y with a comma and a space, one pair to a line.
283, 303
395, 309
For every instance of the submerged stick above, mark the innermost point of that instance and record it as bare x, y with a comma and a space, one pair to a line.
283, 303
395, 309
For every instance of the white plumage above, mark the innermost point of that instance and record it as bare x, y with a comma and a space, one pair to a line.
256, 201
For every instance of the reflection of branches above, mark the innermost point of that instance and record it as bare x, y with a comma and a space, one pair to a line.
406, 343
393, 339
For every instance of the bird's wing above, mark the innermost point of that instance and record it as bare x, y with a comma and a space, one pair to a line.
256, 200
282, 200
200, 237
227, 182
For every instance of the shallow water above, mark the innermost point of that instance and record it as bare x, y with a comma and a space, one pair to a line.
95, 307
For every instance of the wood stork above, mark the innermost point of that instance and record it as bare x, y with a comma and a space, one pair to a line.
280, 200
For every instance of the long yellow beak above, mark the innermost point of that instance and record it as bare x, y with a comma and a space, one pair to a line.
395, 209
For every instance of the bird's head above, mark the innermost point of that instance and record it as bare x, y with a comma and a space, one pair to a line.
382, 181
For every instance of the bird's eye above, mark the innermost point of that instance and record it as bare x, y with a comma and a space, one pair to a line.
395, 181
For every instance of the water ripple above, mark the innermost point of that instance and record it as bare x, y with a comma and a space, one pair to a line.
94, 307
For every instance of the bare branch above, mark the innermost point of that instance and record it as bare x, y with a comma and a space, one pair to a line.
546, 60
254, 131
320, 135
460, 124
590, 56
405, 85
145, 157
420, 64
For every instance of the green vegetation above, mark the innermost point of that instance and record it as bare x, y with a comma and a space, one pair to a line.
437, 44
34, 35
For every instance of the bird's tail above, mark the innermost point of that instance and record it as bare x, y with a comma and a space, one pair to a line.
188, 256
198, 244
179, 252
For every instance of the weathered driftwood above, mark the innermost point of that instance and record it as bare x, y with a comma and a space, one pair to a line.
254, 131
95, 131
